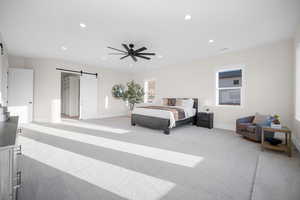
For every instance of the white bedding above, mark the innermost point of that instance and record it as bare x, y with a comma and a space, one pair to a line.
189, 112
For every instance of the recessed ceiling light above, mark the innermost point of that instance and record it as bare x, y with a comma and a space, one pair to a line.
82, 25
64, 48
160, 56
187, 17
211, 41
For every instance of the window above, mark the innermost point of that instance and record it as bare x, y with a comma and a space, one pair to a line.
229, 87
149, 88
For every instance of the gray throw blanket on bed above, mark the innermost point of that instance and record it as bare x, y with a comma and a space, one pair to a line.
177, 112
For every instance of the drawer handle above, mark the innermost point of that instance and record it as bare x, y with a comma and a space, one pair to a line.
19, 180
19, 150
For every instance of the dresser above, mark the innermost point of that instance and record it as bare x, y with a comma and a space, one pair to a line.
10, 176
205, 119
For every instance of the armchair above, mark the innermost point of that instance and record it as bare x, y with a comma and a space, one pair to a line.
249, 130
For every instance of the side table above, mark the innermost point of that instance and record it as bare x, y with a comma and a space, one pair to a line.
286, 147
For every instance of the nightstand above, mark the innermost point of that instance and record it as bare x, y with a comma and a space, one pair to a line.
205, 119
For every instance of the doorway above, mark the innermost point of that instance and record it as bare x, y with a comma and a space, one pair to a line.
70, 95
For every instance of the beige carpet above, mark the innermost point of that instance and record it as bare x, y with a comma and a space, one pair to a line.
109, 159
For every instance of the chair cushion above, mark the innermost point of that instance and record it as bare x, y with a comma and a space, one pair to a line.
245, 124
261, 119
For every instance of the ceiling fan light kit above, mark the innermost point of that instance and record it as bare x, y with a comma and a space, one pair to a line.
131, 52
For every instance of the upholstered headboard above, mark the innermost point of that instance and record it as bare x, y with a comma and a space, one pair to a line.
195, 101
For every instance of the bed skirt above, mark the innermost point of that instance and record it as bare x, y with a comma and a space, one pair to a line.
158, 123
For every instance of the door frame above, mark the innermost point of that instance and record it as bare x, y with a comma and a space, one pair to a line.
60, 94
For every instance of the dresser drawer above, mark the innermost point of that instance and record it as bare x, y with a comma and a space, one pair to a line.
205, 119
205, 116
205, 124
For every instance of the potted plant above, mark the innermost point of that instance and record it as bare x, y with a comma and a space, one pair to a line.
276, 119
276, 122
133, 94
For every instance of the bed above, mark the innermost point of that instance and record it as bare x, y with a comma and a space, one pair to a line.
167, 115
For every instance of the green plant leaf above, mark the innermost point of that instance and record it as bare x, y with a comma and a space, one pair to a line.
118, 91
133, 94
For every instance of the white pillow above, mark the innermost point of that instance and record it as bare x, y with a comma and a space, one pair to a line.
158, 102
188, 103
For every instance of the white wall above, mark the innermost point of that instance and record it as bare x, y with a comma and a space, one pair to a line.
47, 86
3, 74
296, 118
268, 82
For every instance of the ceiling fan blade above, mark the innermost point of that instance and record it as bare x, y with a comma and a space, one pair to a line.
149, 54
117, 49
124, 57
126, 47
117, 54
134, 58
140, 56
140, 49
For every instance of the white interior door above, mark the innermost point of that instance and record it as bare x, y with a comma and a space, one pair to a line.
20, 93
88, 97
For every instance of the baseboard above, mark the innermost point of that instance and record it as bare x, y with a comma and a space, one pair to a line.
43, 120
112, 115
46, 120
225, 126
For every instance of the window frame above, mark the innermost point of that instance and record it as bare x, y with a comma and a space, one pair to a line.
297, 83
242, 87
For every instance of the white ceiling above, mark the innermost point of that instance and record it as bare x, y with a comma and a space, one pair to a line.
38, 28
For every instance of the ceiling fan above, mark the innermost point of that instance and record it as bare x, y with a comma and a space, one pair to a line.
129, 51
